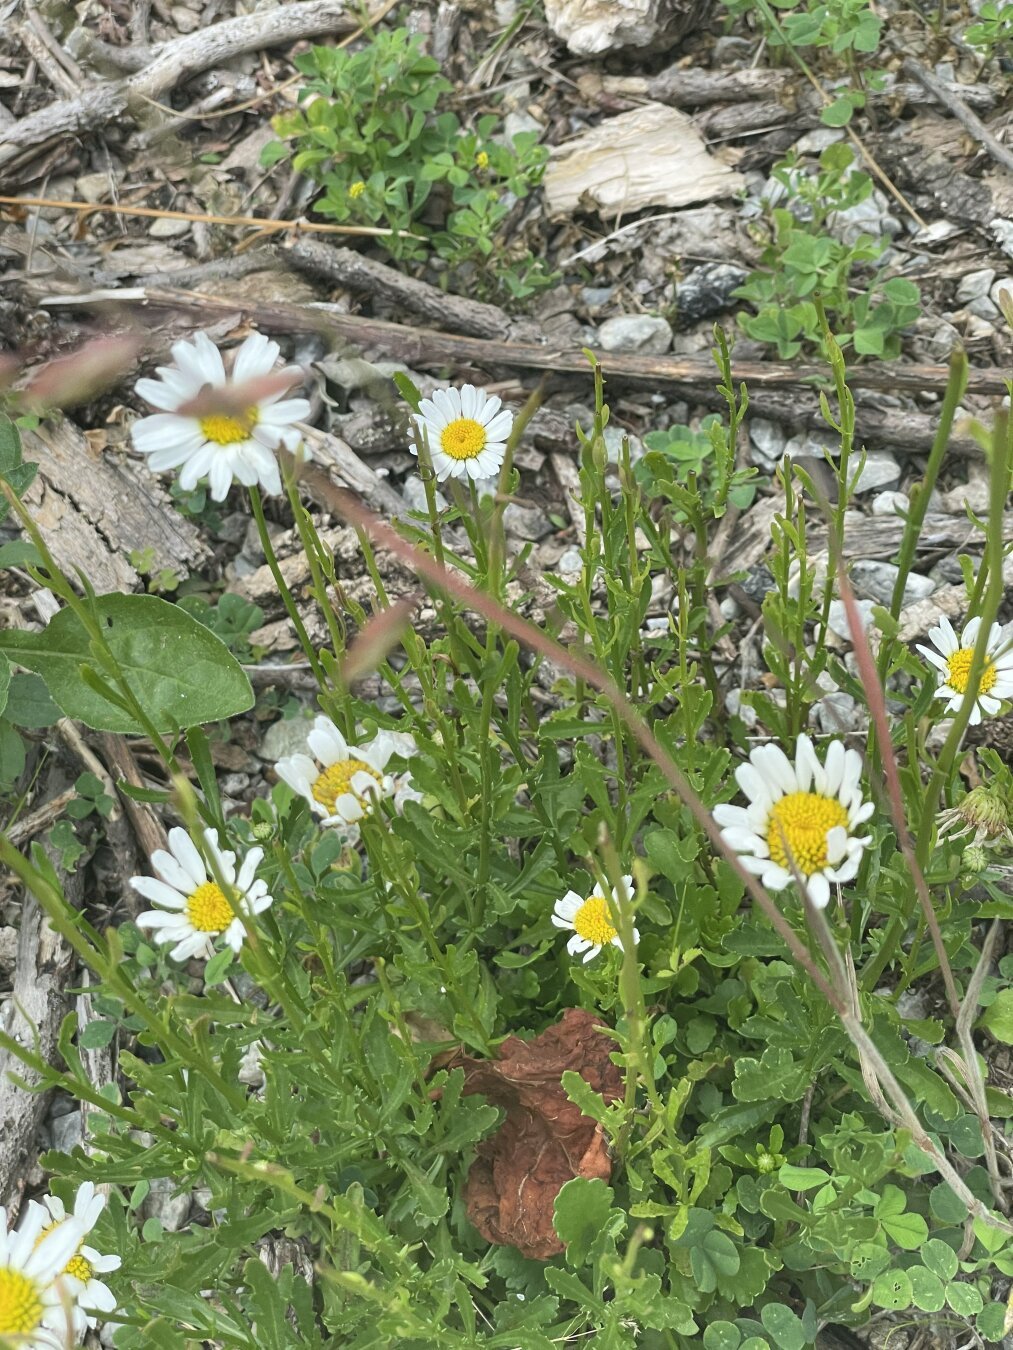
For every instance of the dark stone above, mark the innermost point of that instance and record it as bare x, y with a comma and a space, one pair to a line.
706, 291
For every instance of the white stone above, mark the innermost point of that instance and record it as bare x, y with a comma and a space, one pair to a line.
890, 503
768, 440
163, 1203
413, 490
570, 564
879, 471
635, 333
839, 618
836, 713
982, 308
877, 579
1002, 290
285, 737
167, 228
974, 285
592, 26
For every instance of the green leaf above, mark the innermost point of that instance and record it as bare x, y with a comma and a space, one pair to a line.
722, 1336
926, 1289
29, 704
802, 1178
991, 1321
12, 753
784, 1326
179, 672
218, 967
19, 553
892, 1289
714, 1255
964, 1299
997, 1019
838, 114
5, 681
581, 1212
96, 1035
940, 1258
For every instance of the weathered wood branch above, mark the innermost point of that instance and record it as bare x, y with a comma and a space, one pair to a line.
173, 62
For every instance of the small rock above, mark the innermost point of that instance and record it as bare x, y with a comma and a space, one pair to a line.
869, 217
613, 437
982, 309
596, 296
1002, 232
975, 284
185, 19
890, 503
233, 527
571, 564
707, 290
413, 490
757, 582
167, 228
250, 1071
1002, 290
768, 440
164, 1204
93, 187
819, 139
730, 609
837, 712
526, 522
978, 329
8, 948
839, 618
879, 471
877, 579
592, 26
234, 784
68, 1131
636, 333
285, 737
515, 123
745, 712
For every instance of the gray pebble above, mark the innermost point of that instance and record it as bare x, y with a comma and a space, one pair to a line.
287, 737
876, 580
879, 471
647, 333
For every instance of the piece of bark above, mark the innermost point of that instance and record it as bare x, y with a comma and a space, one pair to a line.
33, 1015
173, 62
348, 470
544, 1141
880, 536
650, 156
929, 161
345, 267
95, 509
956, 105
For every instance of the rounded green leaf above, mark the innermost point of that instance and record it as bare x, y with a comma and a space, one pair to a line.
926, 1289
722, 1336
580, 1214
892, 1289
940, 1258
964, 1299
179, 672
784, 1326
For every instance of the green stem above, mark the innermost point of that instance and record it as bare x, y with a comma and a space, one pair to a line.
286, 595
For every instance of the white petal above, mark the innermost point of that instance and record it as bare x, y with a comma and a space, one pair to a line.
158, 892
819, 890
197, 466
220, 477
327, 742
172, 872
255, 357
837, 844
736, 817
776, 768
186, 853
754, 785
744, 841
806, 763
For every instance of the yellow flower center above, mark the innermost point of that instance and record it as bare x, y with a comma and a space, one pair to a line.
20, 1303
336, 780
798, 828
80, 1267
357, 189
229, 430
463, 438
593, 923
208, 909
482, 159
958, 667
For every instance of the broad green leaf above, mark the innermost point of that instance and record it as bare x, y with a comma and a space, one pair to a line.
715, 1255
940, 1258
997, 1019
5, 681
784, 1326
722, 1336
926, 1289
12, 753
179, 672
964, 1299
892, 1289
802, 1178
581, 1212
19, 553
29, 704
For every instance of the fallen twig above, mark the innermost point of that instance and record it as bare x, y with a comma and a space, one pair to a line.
967, 119
176, 61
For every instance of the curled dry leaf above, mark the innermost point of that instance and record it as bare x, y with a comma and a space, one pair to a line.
544, 1141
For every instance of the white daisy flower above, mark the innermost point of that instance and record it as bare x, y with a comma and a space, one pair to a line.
82, 1270
952, 658
218, 446
36, 1301
800, 817
194, 909
591, 921
466, 430
342, 781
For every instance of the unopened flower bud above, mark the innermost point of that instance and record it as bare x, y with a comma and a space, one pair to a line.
975, 858
262, 831
983, 812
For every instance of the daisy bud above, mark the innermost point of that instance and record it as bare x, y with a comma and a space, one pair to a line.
975, 859
983, 813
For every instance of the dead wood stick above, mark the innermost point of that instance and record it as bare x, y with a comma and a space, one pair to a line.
425, 347
1002, 155
175, 61
38, 49
345, 267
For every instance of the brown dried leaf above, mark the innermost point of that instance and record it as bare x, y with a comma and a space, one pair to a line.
544, 1141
